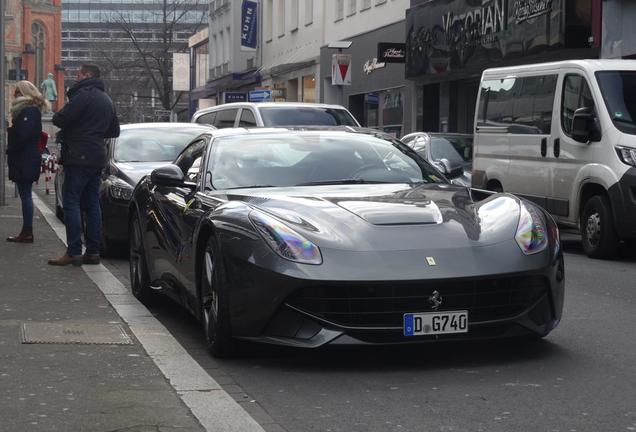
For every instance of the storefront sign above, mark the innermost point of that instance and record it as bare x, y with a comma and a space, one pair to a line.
249, 25
463, 35
340, 69
371, 65
391, 52
229, 97
180, 71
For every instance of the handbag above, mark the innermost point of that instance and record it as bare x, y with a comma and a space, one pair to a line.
44, 140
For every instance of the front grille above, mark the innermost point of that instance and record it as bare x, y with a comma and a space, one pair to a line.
383, 304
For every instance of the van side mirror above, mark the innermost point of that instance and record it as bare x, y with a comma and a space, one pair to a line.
168, 175
584, 127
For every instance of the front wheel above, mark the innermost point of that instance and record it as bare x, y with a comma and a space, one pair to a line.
139, 279
598, 234
214, 302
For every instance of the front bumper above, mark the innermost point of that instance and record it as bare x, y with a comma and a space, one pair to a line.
302, 313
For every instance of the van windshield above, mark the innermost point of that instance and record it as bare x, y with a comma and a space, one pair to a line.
306, 116
619, 92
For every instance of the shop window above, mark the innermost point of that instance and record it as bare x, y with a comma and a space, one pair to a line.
309, 88
576, 94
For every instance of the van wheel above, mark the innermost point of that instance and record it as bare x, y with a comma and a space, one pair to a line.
494, 186
598, 235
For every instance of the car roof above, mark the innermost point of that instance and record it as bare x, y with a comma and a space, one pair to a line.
284, 131
439, 134
267, 105
165, 125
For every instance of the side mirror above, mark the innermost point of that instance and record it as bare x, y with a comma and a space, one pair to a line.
448, 170
168, 175
583, 125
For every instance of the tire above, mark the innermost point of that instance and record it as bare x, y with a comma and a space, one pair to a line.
598, 234
139, 279
213, 302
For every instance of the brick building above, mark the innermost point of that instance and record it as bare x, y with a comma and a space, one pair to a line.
33, 41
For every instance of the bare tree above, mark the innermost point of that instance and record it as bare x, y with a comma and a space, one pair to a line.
139, 60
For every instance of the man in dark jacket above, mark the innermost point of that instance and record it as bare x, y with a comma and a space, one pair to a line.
85, 121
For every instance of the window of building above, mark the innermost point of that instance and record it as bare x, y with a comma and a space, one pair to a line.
309, 12
294, 15
281, 18
576, 94
523, 105
269, 7
353, 6
379, 2
366, 4
39, 42
339, 9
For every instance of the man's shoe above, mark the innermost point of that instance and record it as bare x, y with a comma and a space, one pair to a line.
21, 238
90, 259
67, 260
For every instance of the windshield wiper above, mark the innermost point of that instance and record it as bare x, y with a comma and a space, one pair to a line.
341, 181
252, 186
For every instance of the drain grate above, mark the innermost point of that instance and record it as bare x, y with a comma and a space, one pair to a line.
74, 333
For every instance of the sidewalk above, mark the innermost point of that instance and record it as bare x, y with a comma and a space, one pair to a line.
98, 384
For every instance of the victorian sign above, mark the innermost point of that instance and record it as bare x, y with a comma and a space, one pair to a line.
456, 36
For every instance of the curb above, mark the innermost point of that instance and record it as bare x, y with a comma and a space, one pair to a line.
215, 409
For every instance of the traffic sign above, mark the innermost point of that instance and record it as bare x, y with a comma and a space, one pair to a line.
260, 96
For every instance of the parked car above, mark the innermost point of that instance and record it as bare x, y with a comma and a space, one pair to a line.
273, 114
451, 153
563, 135
139, 149
307, 238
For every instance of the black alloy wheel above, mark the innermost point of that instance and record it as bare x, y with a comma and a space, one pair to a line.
214, 302
139, 280
598, 234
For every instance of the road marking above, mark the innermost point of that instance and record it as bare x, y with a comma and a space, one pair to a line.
215, 409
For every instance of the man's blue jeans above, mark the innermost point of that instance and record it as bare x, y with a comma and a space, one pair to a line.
80, 193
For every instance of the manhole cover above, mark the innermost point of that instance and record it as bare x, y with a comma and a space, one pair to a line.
74, 333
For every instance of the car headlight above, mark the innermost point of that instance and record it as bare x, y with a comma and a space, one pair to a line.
531, 231
284, 241
119, 189
627, 155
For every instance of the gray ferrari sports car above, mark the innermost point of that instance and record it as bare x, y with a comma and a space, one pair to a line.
307, 238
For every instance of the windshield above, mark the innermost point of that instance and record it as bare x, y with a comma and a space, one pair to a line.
306, 116
458, 150
153, 144
280, 160
619, 92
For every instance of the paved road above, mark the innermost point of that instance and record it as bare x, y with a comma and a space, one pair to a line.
582, 377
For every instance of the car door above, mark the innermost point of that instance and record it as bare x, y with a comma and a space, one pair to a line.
530, 136
570, 155
170, 203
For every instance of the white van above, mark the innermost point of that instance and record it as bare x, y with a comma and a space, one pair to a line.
564, 136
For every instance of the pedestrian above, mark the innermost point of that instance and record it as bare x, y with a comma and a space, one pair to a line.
22, 150
85, 121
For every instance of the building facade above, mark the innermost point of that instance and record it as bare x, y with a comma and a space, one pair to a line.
379, 96
33, 44
128, 39
233, 70
450, 43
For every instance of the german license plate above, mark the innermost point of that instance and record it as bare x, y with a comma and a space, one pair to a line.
433, 323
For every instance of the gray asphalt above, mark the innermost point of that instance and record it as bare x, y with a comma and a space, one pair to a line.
582, 377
